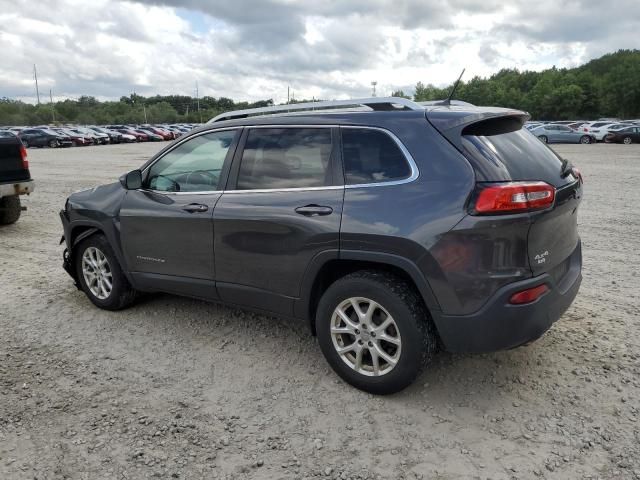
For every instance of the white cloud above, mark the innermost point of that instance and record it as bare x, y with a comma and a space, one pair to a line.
253, 50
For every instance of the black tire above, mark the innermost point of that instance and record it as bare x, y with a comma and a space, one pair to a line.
414, 327
627, 140
53, 143
544, 138
10, 210
25, 143
122, 294
586, 139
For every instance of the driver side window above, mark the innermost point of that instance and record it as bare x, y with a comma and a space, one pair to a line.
193, 166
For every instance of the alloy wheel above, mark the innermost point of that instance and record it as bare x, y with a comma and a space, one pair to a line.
365, 336
97, 273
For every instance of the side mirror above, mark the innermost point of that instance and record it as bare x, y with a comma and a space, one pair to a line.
132, 180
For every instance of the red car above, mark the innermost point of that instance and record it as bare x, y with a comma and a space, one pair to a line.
77, 139
166, 135
140, 137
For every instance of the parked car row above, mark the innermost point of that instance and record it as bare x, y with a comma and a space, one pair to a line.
75, 135
605, 130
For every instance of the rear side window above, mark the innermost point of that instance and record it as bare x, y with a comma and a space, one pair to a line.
372, 156
276, 158
514, 155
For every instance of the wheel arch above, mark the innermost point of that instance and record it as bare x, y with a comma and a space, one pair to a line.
81, 230
328, 267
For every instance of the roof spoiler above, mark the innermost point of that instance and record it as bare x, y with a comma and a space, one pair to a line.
453, 122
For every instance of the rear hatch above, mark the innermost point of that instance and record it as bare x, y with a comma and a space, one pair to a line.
500, 151
12, 166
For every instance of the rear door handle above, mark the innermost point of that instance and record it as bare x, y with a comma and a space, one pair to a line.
314, 210
195, 207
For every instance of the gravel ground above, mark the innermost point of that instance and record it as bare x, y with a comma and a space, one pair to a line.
178, 388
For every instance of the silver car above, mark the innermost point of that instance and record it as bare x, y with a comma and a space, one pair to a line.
554, 133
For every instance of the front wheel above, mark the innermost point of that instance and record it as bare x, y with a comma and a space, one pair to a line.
100, 275
626, 140
585, 139
375, 331
53, 143
544, 138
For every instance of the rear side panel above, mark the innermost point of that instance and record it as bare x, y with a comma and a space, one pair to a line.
409, 219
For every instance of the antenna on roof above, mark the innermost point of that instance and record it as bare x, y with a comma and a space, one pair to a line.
453, 90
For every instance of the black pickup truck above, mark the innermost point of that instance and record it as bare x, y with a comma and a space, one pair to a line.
15, 178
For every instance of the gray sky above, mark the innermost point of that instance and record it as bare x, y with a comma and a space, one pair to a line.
250, 50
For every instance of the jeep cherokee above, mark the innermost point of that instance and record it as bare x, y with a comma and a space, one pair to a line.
391, 227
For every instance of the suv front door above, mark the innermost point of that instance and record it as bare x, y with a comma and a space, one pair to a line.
167, 226
281, 209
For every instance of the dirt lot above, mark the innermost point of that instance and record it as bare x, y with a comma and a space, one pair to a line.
178, 388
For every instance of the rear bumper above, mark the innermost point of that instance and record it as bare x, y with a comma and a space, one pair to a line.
500, 325
21, 187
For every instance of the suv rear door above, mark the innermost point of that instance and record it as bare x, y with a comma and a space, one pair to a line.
500, 150
520, 156
281, 208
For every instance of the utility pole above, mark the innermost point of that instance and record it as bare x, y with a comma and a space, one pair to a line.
287, 94
53, 110
35, 76
198, 101
144, 109
373, 85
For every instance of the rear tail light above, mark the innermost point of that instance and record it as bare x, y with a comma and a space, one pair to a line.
23, 155
529, 295
513, 197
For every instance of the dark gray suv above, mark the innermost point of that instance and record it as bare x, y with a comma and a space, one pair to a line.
390, 227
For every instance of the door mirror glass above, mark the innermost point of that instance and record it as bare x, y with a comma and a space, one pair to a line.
132, 180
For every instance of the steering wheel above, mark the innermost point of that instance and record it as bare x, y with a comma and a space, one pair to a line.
207, 177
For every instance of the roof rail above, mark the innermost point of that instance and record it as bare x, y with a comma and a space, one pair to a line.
375, 103
436, 103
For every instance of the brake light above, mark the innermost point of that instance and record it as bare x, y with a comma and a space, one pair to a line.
23, 155
529, 295
514, 197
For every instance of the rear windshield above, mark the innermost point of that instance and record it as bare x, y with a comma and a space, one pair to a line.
515, 155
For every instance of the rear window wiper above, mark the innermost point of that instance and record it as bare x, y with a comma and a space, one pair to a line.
566, 168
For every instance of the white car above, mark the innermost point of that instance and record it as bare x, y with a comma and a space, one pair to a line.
601, 129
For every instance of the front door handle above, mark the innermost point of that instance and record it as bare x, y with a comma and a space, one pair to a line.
195, 207
314, 210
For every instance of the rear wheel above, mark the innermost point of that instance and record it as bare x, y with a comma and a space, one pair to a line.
375, 331
544, 138
10, 210
626, 140
25, 143
585, 139
100, 275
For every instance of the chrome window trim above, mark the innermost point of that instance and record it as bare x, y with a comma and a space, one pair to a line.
173, 147
415, 173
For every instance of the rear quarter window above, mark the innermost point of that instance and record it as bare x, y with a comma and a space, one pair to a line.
372, 156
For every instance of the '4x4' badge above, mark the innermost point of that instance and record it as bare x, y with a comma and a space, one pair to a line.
541, 257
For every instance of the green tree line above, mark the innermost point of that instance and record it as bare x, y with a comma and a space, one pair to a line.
135, 108
605, 87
